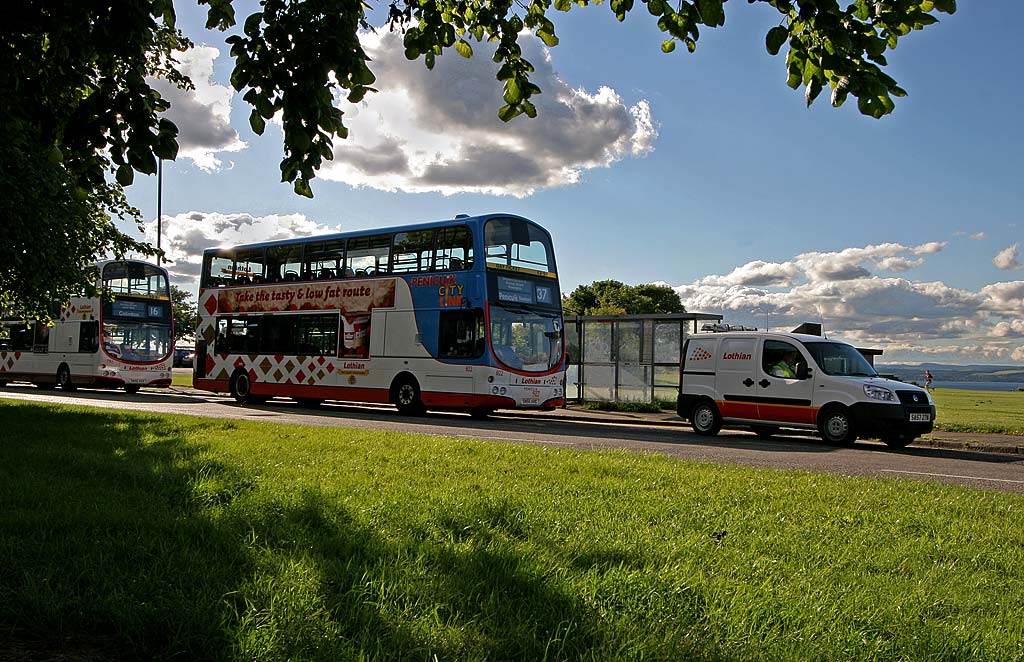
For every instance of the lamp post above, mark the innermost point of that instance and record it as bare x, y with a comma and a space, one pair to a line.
159, 208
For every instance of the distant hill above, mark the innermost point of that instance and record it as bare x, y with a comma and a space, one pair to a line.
942, 372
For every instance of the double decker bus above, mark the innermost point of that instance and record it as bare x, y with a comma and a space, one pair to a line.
463, 314
119, 339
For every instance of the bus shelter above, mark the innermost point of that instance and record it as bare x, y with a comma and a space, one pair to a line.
627, 358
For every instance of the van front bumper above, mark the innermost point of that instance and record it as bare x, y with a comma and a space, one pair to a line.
879, 419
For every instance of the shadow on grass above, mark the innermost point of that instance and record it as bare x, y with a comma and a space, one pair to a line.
122, 538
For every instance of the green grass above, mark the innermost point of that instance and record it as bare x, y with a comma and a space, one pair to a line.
133, 535
960, 410
181, 379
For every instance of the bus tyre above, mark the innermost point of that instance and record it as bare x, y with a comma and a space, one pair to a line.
705, 418
131, 388
836, 427
405, 393
898, 440
241, 387
64, 378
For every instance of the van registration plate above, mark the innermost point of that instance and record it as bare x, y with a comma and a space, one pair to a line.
920, 418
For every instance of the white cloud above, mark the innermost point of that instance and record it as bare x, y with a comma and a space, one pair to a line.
853, 263
1008, 258
906, 318
438, 130
185, 236
203, 115
978, 235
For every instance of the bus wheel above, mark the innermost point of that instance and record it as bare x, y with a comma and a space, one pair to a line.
705, 418
241, 387
131, 388
405, 393
64, 378
836, 427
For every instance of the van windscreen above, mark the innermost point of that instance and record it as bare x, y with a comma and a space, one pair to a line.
840, 359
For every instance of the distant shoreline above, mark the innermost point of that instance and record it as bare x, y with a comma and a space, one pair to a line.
976, 386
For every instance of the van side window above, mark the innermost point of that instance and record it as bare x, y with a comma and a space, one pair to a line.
780, 359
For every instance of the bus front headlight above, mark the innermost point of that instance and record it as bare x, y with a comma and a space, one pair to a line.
878, 393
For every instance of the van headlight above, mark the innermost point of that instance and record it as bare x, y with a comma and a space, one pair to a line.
878, 393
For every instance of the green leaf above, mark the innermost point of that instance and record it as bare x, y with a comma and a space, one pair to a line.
776, 37
812, 91
464, 49
668, 45
302, 188
507, 112
512, 92
125, 175
549, 39
563, 5
256, 122
529, 109
711, 12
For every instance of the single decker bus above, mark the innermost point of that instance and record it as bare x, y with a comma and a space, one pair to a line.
121, 338
463, 314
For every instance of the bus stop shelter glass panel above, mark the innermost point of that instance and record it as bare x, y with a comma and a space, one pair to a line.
597, 342
599, 382
666, 342
629, 338
634, 383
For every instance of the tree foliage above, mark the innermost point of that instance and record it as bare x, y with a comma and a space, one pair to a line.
610, 297
77, 110
185, 312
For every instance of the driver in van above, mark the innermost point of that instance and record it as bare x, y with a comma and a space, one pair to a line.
785, 367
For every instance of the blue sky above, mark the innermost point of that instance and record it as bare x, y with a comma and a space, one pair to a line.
701, 171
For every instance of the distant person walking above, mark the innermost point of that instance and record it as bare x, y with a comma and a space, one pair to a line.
927, 380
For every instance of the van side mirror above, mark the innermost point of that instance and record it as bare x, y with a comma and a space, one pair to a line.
801, 370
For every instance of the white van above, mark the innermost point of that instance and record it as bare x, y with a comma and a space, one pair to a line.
767, 381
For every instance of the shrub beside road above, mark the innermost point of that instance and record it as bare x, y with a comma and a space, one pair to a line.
141, 535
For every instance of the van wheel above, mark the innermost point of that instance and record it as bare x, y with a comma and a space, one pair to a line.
765, 431
64, 378
705, 418
898, 440
405, 393
836, 427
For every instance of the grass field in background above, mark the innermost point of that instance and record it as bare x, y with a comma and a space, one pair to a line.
181, 378
135, 535
959, 410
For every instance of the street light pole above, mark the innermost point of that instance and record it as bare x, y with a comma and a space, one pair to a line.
159, 207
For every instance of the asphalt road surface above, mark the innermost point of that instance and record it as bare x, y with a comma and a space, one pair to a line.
989, 471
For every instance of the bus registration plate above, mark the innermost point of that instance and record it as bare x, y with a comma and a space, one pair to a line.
920, 418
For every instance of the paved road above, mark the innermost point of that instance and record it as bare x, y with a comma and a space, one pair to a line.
578, 430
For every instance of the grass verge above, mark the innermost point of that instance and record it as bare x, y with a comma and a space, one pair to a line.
132, 535
996, 412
